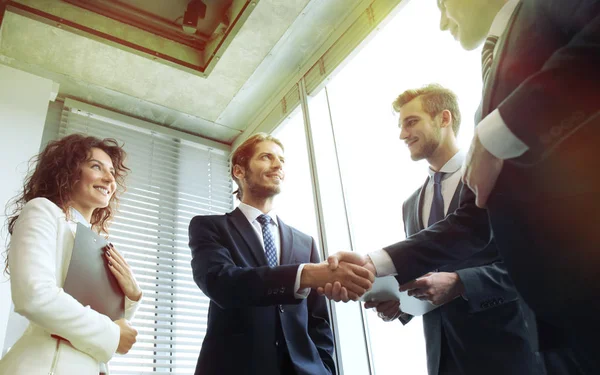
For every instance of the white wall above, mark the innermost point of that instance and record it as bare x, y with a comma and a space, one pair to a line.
23, 106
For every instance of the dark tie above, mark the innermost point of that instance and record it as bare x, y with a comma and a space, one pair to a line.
437, 204
487, 55
269, 241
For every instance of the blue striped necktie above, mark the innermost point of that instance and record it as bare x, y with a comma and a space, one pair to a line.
268, 240
437, 204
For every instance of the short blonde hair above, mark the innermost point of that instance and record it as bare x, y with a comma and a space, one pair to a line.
435, 99
244, 152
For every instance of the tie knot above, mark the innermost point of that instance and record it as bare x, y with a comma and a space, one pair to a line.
264, 219
437, 177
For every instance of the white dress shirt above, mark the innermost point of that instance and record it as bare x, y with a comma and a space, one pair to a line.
77, 217
381, 259
251, 214
449, 184
493, 133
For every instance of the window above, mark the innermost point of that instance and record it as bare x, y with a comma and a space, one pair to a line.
295, 204
376, 171
171, 180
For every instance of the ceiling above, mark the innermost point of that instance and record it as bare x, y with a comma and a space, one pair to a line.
130, 56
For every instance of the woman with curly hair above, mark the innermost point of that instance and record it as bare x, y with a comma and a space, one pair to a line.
76, 179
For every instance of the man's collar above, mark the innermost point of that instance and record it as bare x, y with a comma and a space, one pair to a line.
452, 165
501, 20
252, 213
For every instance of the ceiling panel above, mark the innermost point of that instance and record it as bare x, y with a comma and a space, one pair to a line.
270, 51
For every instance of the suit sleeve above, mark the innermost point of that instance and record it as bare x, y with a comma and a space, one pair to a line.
404, 318
36, 296
457, 237
487, 286
561, 98
319, 327
229, 285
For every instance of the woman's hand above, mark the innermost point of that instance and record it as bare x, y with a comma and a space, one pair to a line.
127, 336
119, 267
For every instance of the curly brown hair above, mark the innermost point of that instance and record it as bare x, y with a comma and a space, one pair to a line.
58, 168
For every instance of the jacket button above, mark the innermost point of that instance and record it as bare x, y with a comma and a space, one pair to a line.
281, 308
276, 342
555, 131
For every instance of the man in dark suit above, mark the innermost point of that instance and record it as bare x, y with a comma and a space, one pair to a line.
532, 163
480, 326
258, 273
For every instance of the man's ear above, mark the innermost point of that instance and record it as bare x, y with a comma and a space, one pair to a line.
238, 172
446, 118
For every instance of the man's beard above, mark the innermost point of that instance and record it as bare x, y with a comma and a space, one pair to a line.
261, 191
429, 147
426, 151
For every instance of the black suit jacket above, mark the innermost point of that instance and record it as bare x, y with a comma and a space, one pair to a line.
253, 313
489, 332
545, 208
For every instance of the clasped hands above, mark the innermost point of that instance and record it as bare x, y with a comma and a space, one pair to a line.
435, 287
348, 278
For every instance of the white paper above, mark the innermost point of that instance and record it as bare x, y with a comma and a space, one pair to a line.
387, 289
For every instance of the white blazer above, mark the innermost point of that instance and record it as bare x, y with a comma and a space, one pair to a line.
40, 252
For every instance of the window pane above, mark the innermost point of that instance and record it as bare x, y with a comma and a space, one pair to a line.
295, 204
352, 344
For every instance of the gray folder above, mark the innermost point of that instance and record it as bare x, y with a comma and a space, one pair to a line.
89, 279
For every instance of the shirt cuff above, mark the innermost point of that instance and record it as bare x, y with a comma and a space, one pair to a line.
497, 138
300, 293
383, 263
131, 307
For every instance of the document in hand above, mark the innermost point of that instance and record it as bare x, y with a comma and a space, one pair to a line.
387, 289
89, 279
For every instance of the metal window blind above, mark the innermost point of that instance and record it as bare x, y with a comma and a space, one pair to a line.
171, 180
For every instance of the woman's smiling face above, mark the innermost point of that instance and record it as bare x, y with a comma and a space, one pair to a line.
96, 185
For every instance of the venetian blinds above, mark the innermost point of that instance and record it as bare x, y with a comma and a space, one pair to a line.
171, 180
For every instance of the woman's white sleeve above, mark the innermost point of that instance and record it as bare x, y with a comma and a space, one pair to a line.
32, 262
131, 307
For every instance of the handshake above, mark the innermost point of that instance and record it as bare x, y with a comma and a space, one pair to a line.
343, 277
347, 276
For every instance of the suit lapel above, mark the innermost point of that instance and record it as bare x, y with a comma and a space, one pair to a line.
488, 89
455, 199
287, 242
419, 208
241, 224
73, 227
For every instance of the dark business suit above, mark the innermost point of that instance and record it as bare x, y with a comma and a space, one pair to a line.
545, 207
255, 324
488, 334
